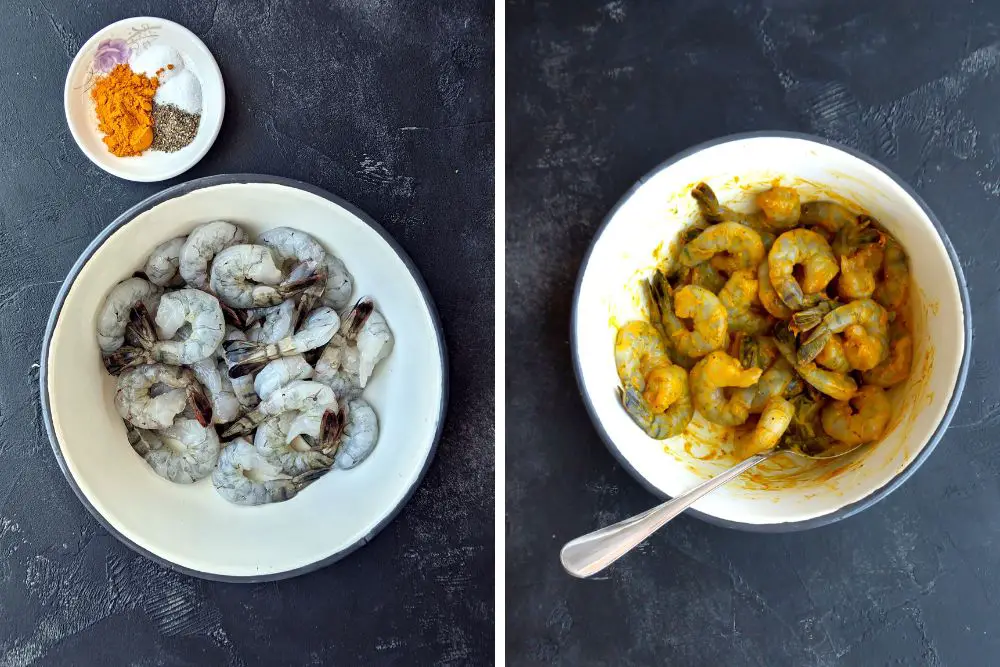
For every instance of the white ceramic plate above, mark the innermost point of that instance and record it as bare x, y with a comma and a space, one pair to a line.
114, 44
191, 528
784, 493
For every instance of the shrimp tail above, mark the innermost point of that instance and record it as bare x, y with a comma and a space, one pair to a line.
201, 405
804, 320
246, 368
245, 354
294, 286
124, 358
140, 331
244, 424
708, 203
810, 349
308, 477
331, 429
357, 317
237, 317
307, 302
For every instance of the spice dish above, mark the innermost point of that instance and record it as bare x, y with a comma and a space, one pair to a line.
144, 99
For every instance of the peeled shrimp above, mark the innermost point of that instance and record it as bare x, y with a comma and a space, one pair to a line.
768, 296
837, 385
280, 372
245, 276
317, 330
895, 285
213, 376
710, 377
309, 400
801, 247
162, 264
861, 419
739, 297
773, 423
711, 325
113, 316
780, 206
293, 455
741, 246
656, 394
896, 367
866, 335
202, 246
833, 357
277, 322
360, 433
204, 327
244, 476
136, 404
183, 452
779, 380
346, 386
827, 215
339, 283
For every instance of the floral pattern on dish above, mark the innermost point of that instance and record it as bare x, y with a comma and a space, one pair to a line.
116, 50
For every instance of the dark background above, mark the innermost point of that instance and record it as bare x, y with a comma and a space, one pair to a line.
598, 93
387, 104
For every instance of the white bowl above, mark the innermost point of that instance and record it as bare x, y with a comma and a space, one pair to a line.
81, 114
785, 493
191, 528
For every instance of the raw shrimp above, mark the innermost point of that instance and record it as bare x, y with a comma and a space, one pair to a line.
276, 321
866, 336
833, 357
279, 372
294, 456
138, 406
308, 399
202, 246
710, 377
316, 331
896, 367
768, 296
801, 247
861, 419
360, 433
183, 453
291, 246
742, 246
244, 476
773, 423
711, 325
162, 264
739, 298
829, 216
339, 283
213, 376
113, 316
895, 285
243, 386
780, 207
363, 341
779, 380
245, 276
346, 385
194, 316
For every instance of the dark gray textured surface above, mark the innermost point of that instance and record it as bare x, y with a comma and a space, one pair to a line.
598, 94
386, 104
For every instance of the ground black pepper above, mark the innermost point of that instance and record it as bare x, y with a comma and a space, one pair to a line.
173, 128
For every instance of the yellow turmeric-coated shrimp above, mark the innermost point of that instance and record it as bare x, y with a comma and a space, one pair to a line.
827, 215
896, 367
861, 419
805, 248
740, 247
711, 326
773, 423
781, 207
768, 296
865, 325
895, 276
708, 379
739, 297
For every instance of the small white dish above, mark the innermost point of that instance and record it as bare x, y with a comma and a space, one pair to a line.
115, 44
786, 493
191, 527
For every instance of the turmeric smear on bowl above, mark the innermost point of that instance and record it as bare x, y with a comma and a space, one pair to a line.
791, 322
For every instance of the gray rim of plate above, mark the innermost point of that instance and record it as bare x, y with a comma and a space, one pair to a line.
877, 494
180, 190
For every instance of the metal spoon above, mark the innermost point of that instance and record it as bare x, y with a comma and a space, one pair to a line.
589, 554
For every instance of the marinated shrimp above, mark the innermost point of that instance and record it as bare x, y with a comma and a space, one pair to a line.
861, 419
774, 421
865, 325
201, 248
739, 298
801, 247
710, 377
707, 313
740, 247
895, 275
183, 452
655, 392
896, 366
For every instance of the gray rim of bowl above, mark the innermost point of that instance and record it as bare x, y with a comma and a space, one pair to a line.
180, 190
877, 494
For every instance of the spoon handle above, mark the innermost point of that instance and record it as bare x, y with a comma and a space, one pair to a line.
591, 553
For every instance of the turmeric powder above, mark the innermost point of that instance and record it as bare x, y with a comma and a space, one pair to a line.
124, 102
